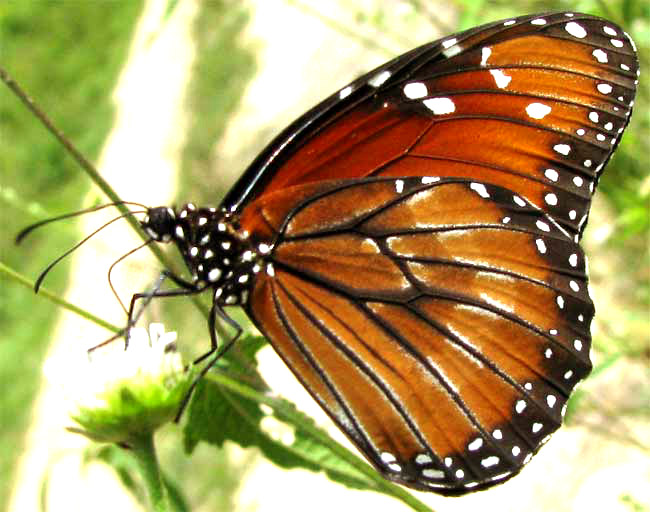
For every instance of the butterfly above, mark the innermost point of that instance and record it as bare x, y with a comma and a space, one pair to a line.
409, 246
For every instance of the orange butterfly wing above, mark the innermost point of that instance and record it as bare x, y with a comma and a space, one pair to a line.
443, 354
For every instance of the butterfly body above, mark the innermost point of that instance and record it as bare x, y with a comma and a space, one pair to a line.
409, 245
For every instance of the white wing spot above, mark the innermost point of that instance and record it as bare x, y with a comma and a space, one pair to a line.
574, 286
208, 254
551, 400
448, 461
528, 386
563, 149
617, 43
572, 215
625, 67
379, 78
432, 473
399, 186
609, 31
488, 462
587, 163
550, 199
387, 457
497, 434
509, 22
538, 21
345, 92
415, 90
577, 344
460, 473
527, 458
520, 406
485, 55
541, 246
519, 201
270, 271
609, 125
604, 88
505, 220
538, 110
480, 189
600, 137
179, 232
553, 332
475, 445
536, 427
551, 174
440, 106
548, 353
183, 214
573, 260
194, 251
516, 450
500, 78
422, 458
575, 30
600, 55
449, 42
560, 301
543, 225
264, 248
568, 374
580, 131
593, 116
578, 181
426, 180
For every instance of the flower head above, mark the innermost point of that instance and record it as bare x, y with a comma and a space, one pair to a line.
120, 394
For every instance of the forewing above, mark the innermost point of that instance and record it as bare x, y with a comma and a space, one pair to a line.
535, 104
442, 324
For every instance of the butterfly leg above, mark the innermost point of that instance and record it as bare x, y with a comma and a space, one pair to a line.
214, 312
132, 317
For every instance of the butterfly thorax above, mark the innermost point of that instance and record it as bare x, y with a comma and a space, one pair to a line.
216, 250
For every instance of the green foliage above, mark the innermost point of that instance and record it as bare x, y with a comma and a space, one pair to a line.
67, 55
217, 415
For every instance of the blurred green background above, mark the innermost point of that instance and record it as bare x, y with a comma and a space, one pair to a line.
68, 55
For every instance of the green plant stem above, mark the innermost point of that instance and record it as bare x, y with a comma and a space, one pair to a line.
144, 451
44, 292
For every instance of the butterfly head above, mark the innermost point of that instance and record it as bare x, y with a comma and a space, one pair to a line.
159, 223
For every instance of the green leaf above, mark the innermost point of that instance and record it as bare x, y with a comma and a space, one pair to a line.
217, 415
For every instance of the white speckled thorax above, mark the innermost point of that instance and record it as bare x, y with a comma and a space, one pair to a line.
217, 252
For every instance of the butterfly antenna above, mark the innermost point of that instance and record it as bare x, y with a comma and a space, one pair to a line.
38, 282
121, 258
23, 233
